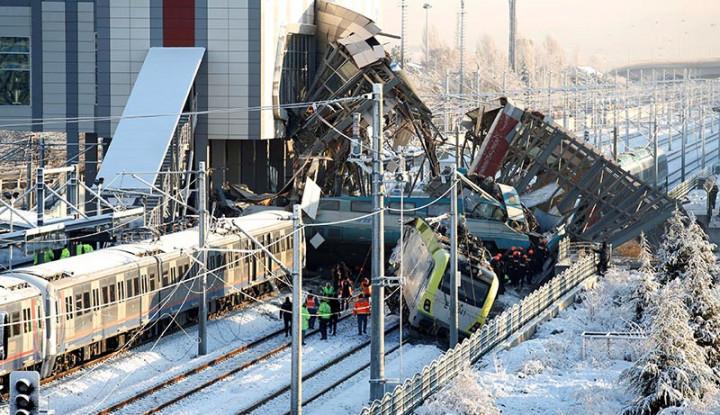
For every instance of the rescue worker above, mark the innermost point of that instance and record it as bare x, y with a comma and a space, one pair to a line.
65, 253
603, 258
365, 286
361, 309
83, 249
712, 194
497, 266
335, 315
515, 269
527, 270
328, 291
324, 313
346, 292
286, 315
305, 322
47, 255
312, 306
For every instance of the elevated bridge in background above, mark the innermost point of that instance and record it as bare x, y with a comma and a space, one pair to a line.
709, 69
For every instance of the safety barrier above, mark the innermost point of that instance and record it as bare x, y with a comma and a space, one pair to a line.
683, 188
407, 396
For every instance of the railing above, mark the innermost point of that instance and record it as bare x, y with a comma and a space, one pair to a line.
407, 396
682, 189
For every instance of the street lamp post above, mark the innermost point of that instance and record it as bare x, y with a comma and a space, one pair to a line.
427, 7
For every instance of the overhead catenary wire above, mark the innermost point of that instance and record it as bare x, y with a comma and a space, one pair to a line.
75, 120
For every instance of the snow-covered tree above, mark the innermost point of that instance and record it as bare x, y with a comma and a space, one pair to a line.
683, 239
673, 370
644, 294
703, 303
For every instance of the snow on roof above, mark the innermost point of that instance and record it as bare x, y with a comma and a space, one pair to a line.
119, 255
13, 289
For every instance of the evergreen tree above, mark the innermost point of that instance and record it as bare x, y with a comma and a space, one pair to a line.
674, 369
644, 293
674, 252
702, 297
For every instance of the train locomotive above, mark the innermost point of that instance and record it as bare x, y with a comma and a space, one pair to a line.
60, 314
425, 268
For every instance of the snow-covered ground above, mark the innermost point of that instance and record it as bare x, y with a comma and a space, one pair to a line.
546, 374
101, 385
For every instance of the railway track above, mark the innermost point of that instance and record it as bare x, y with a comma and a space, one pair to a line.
314, 374
113, 354
224, 359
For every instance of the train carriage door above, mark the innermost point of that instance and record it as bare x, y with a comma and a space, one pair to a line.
4, 333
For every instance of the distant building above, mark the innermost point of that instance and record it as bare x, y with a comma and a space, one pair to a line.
80, 58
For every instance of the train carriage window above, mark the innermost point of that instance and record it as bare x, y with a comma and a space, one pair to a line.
173, 275
86, 301
27, 321
361, 206
96, 299
15, 321
40, 320
68, 308
129, 289
136, 283
78, 305
121, 290
112, 293
143, 283
165, 281
329, 205
105, 295
152, 281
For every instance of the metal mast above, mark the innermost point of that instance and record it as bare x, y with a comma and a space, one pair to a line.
296, 385
202, 223
403, 31
427, 7
377, 340
462, 47
513, 32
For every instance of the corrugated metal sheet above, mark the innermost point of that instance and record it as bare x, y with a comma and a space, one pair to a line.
150, 117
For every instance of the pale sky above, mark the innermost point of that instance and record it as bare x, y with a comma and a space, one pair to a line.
619, 31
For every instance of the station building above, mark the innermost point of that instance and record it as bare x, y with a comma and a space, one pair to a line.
64, 60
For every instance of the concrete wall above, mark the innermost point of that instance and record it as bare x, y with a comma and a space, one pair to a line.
129, 43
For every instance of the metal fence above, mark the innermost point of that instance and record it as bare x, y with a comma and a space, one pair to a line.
407, 396
683, 188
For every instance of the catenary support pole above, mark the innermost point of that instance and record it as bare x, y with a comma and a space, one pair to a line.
377, 341
454, 278
296, 386
202, 223
40, 196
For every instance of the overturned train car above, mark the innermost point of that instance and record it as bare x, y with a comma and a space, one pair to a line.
425, 268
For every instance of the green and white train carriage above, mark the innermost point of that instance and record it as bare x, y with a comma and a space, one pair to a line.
426, 287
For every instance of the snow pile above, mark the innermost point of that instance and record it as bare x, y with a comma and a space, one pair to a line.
466, 395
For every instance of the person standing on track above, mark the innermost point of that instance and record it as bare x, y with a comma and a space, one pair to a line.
346, 291
312, 307
286, 315
335, 315
365, 287
362, 309
328, 291
324, 313
305, 318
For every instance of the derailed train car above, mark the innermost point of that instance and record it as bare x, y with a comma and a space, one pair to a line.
425, 268
62, 313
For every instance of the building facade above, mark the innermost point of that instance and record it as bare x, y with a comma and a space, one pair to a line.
64, 61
